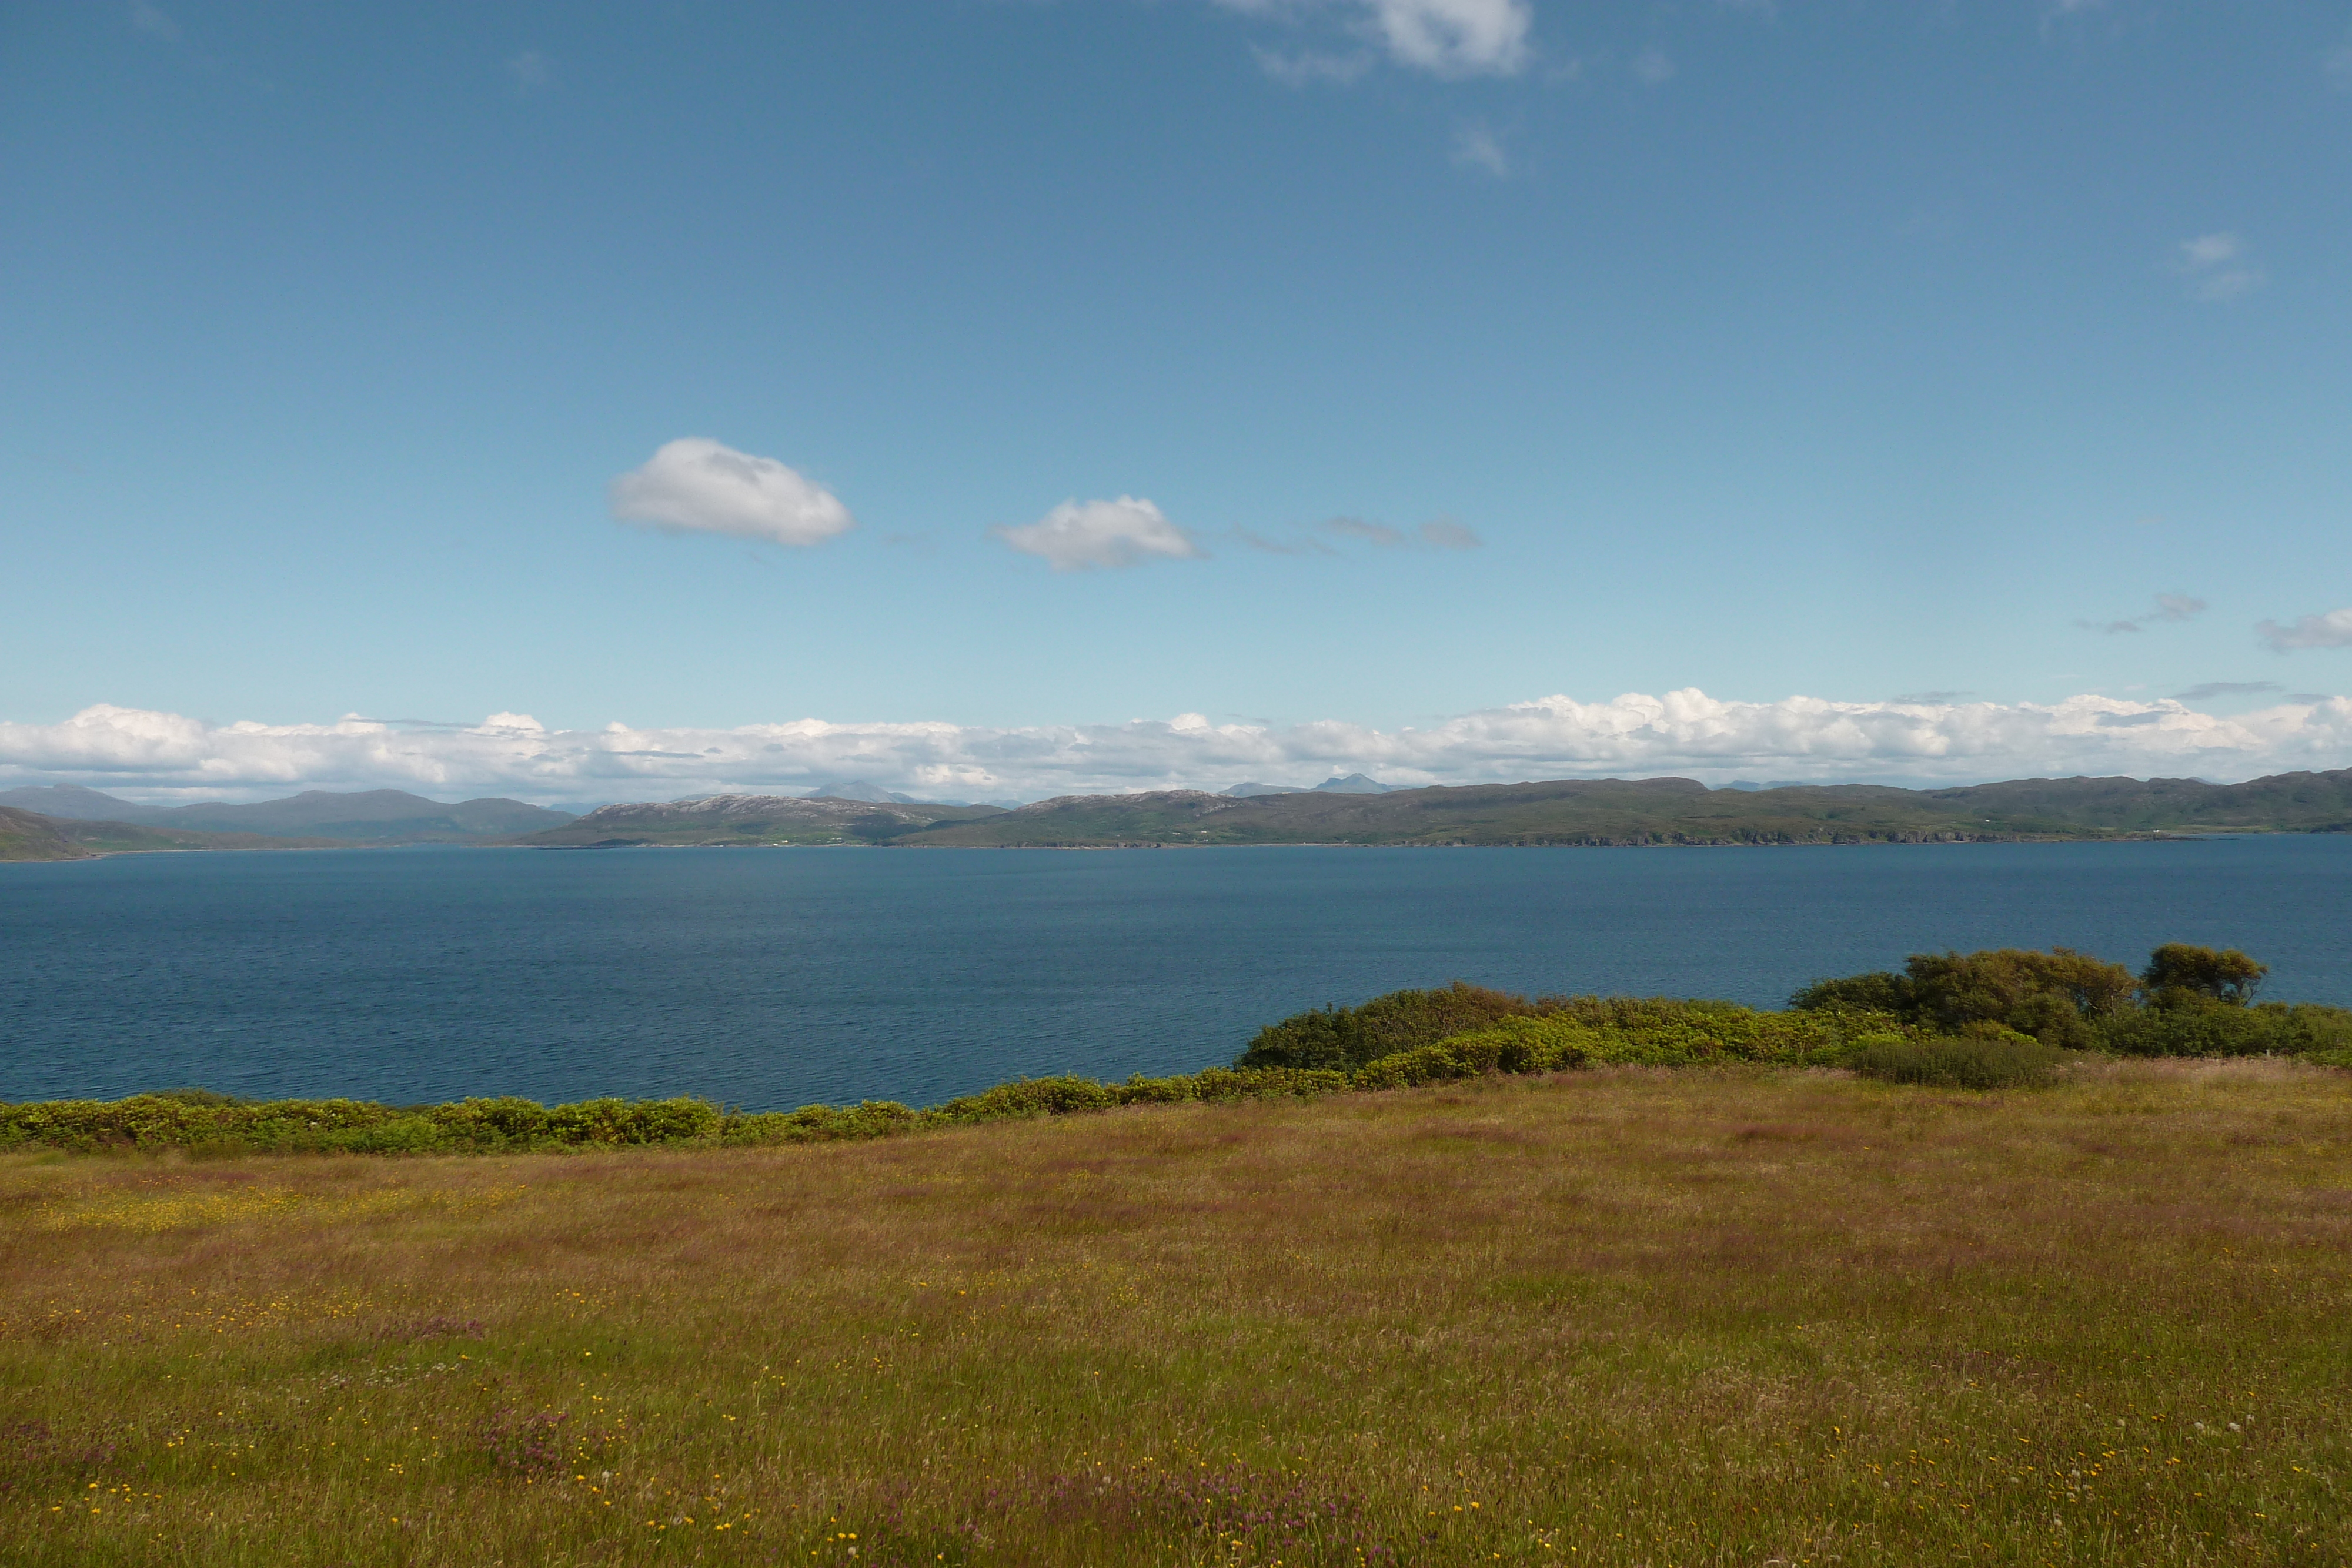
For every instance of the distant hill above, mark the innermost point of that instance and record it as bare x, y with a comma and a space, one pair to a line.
750, 820
859, 790
1672, 811
76, 802
1561, 811
30, 836
367, 816
1353, 784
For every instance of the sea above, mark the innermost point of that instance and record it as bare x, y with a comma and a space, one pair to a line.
775, 977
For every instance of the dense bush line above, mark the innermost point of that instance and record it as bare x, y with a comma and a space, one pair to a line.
212, 1123
2188, 1001
1979, 1020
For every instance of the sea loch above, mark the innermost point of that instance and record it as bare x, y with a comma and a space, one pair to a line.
777, 977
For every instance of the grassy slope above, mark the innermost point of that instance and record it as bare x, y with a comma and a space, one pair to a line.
1619, 1318
2295, 802
120, 838
1673, 811
29, 836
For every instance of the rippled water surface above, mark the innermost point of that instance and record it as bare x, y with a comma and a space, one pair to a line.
777, 977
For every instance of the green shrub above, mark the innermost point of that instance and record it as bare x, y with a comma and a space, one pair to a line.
193, 1096
401, 1135
2186, 1026
1666, 1031
1986, 1061
1229, 1083
1880, 991
2058, 997
1337, 1038
823, 1124
1514, 1045
1650, 1031
1028, 1097
1412, 1069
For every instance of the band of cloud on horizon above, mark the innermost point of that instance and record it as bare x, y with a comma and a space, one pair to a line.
165, 756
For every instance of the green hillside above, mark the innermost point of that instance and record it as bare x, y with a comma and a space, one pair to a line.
1674, 811
29, 836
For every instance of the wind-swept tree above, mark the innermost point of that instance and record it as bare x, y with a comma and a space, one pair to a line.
2178, 972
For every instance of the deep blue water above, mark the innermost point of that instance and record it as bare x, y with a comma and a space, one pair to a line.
776, 977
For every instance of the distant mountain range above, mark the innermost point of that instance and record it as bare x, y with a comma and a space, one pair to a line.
1342, 811
749, 820
367, 816
1353, 784
859, 790
1566, 811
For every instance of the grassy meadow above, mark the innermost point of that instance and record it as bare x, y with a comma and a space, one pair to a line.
1618, 1316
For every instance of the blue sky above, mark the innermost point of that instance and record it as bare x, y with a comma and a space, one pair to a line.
1852, 351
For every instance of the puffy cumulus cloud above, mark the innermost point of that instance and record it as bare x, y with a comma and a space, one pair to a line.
162, 755
2331, 629
1078, 535
1446, 37
700, 485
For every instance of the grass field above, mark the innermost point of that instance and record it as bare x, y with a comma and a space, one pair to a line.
1619, 1317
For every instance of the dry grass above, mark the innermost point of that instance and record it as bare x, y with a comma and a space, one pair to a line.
1621, 1318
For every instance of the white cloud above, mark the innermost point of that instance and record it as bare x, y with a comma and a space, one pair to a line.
1652, 68
2338, 65
698, 485
2331, 629
1475, 147
532, 72
166, 756
1447, 37
1078, 535
1456, 37
2218, 267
